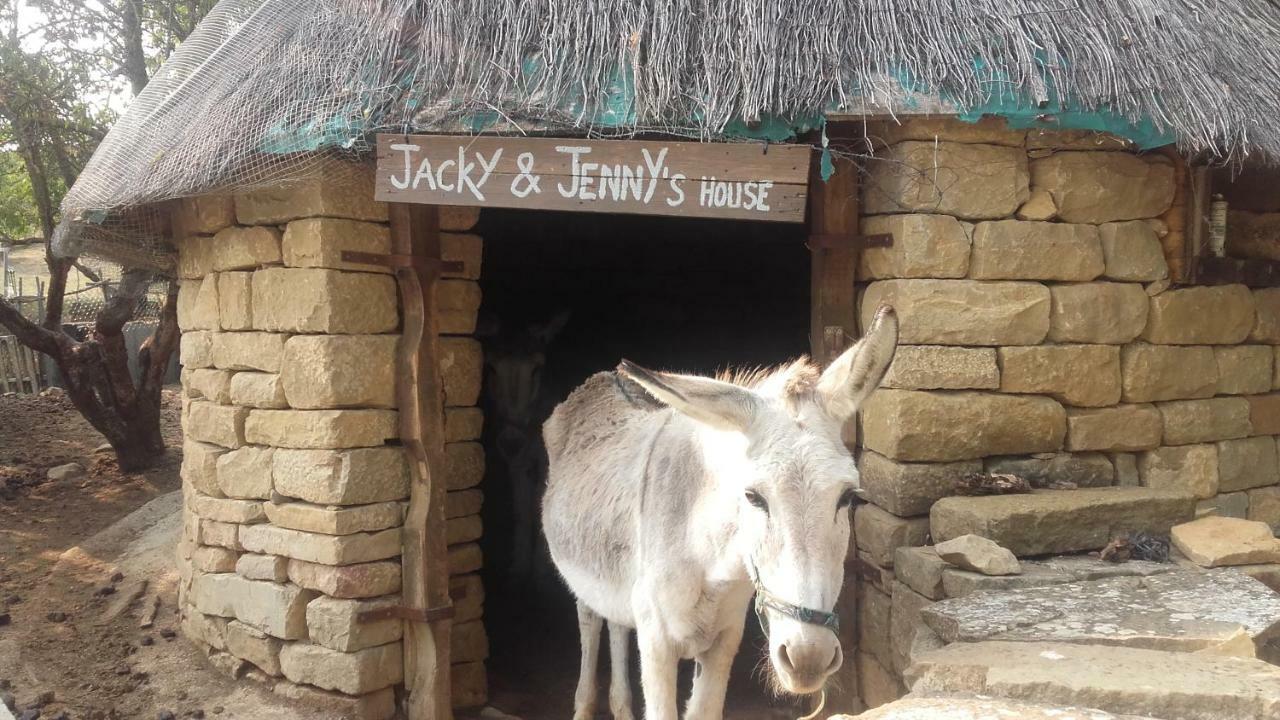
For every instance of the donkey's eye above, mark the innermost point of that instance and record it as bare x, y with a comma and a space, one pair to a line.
757, 500
846, 499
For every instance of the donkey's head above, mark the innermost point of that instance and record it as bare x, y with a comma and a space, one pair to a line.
514, 359
772, 443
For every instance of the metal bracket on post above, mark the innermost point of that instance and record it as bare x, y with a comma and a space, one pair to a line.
448, 267
849, 242
400, 612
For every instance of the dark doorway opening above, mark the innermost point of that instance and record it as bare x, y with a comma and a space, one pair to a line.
566, 295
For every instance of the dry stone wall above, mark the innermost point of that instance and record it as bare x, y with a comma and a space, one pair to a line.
1040, 337
295, 486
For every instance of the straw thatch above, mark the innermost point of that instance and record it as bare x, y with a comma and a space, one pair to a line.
262, 83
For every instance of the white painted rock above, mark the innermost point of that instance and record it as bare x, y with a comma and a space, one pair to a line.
976, 553
70, 471
1218, 541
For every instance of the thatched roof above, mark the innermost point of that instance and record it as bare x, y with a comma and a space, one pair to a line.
264, 83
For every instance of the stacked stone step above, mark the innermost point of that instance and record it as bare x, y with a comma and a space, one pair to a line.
293, 483
1040, 337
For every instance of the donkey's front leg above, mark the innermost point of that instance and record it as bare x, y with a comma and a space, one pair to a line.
711, 682
658, 664
589, 626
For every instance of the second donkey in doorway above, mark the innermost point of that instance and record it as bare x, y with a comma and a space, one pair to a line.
672, 499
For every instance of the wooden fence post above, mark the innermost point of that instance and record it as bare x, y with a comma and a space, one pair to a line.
833, 215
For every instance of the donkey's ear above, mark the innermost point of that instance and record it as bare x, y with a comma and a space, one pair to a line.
721, 405
547, 331
858, 371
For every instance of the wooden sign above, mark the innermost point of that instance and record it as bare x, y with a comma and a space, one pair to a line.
720, 180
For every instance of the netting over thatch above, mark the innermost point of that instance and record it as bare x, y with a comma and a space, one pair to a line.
263, 86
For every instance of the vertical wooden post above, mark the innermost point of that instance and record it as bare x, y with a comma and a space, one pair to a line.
415, 236
833, 213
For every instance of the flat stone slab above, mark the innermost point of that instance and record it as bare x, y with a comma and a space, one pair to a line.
1120, 680
1048, 571
1045, 522
1186, 611
1218, 541
980, 708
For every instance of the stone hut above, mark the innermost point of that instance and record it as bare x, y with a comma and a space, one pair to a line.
1047, 244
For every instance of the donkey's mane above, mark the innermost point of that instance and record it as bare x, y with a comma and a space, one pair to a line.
798, 377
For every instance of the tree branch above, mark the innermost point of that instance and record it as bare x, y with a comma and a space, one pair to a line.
29, 333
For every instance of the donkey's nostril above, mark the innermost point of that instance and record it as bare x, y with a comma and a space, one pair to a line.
836, 660
784, 659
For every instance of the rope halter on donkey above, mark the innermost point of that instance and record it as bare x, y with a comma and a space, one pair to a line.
766, 600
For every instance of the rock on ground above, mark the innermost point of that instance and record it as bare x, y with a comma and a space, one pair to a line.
979, 708
1180, 611
976, 553
69, 471
1217, 541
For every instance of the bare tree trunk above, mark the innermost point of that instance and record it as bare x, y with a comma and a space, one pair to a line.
135, 55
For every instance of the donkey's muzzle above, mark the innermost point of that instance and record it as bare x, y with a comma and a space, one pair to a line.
803, 667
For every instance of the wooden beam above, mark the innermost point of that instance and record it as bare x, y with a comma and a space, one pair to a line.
415, 232
833, 211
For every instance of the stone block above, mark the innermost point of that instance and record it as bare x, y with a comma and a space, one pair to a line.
1264, 414
322, 549
226, 510
978, 554
1123, 427
1079, 375
461, 370
253, 566
988, 129
876, 685
331, 371
463, 465
334, 623
875, 611
1102, 187
352, 477
331, 520
363, 580
200, 466
1083, 469
920, 569
1023, 250
880, 533
908, 635
868, 572
275, 609
907, 489
210, 384
465, 248
249, 351
1046, 139
458, 304
258, 390
1222, 541
969, 181
1132, 252
211, 559
316, 429
377, 705
1162, 372
1099, 312
924, 246
1126, 465
1264, 506
235, 309
468, 643
962, 312
1247, 463
463, 529
468, 684
208, 629
336, 189
195, 350
246, 473
319, 243
1193, 421
1039, 206
463, 423
957, 583
941, 367
1234, 505
1267, 574
318, 300
458, 218
352, 673
1200, 315
467, 593
195, 256
221, 534
245, 248
1266, 327
1253, 235
1244, 369
218, 424
927, 426
1060, 521
198, 304
1189, 469
201, 215
259, 648
466, 558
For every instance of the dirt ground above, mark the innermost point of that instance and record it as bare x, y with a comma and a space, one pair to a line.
81, 560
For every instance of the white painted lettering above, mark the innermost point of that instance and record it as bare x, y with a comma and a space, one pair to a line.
424, 173
764, 196
440, 170
407, 149
706, 191
587, 180
655, 170
576, 153
675, 188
